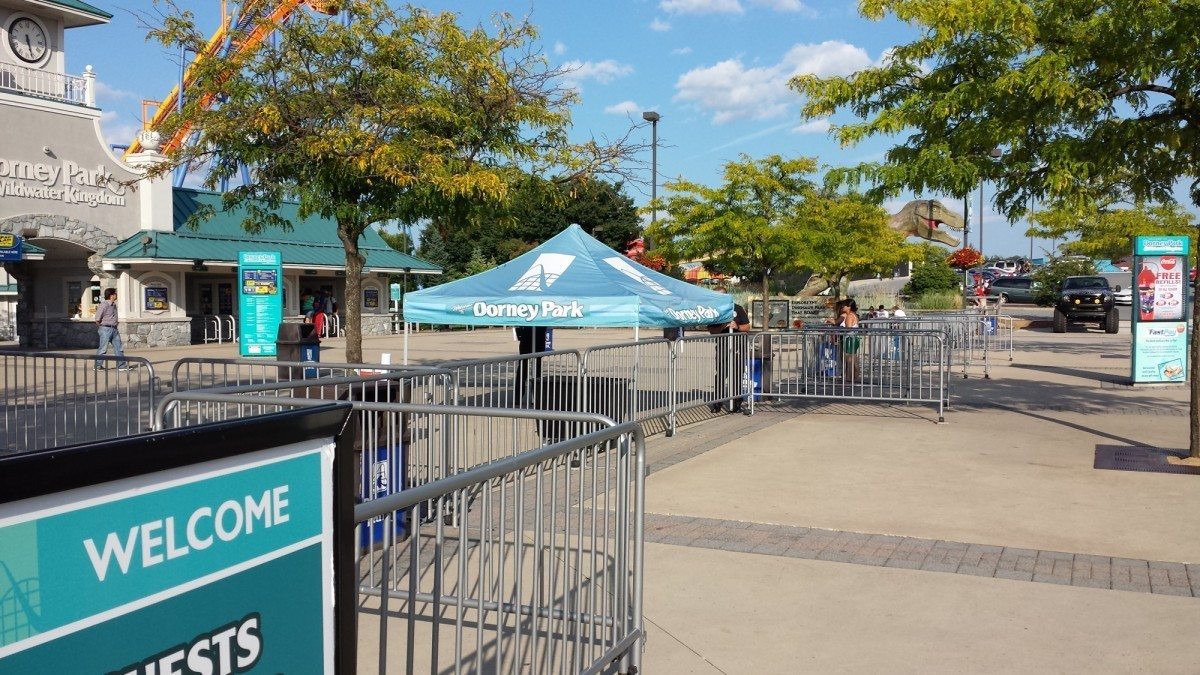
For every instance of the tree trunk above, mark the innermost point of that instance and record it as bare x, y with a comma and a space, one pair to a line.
1193, 374
352, 304
766, 293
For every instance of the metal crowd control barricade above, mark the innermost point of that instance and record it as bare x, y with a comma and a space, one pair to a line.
632, 381
971, 335
710, 370
207, 373
529, 562
52, 399
879, 365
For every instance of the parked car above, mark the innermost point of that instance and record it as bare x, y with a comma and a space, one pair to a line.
1006, 267
1086, 300
1014, 289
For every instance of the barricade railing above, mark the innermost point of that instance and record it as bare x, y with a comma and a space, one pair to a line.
972, 337
862, 364
206, 373
540, 381
51, 399
710, 370
628, 382
532, 562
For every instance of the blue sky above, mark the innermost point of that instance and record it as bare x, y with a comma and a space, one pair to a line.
716, 70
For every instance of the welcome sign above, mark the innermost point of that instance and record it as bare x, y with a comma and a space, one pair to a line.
218, 566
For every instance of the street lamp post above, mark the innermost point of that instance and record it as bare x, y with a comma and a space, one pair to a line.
653, 118
995, 154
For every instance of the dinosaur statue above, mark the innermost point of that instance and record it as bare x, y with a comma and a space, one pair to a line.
923, 218
927, 218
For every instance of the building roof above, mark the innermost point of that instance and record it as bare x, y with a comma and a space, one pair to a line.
312, 241
76, 12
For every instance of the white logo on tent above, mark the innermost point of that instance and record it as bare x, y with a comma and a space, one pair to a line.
544, 272
622, 265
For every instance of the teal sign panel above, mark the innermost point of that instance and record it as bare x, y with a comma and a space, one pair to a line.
260, 277
217, 567
1160, 309
1160, 246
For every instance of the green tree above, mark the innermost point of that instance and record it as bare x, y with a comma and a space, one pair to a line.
373, 115
932, 275
1083, 102
479, 263
841, 235
1109, 233
1050, 277
748, 223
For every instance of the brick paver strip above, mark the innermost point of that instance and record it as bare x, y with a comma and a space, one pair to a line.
933, 555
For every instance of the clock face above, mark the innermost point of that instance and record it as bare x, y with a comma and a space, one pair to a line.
27, 40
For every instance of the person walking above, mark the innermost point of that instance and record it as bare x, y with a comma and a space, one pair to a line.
731, 357
106, 321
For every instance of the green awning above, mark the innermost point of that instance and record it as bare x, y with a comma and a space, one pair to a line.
312, 241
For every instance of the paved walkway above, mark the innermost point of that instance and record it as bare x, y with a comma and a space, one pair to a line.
803, 539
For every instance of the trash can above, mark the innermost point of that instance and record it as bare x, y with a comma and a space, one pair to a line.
760, 370
382, 448
608, 396
297, 342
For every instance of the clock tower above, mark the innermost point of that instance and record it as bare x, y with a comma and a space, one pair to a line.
32, 32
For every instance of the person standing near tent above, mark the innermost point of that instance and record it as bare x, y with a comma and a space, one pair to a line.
731, 356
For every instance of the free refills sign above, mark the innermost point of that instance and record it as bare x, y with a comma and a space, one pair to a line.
1160, 332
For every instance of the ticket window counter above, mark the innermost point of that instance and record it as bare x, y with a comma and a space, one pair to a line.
215, 297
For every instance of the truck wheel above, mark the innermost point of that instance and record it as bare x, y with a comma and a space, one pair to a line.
1060, 322
1112, 322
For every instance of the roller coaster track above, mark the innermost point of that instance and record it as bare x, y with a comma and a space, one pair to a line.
255, 22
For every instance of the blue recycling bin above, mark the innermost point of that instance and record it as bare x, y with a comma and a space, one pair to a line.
382, 475
756, 378
310, 353
989, 325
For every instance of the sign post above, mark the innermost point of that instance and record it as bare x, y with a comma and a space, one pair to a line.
219, 548
1159, 312
261, 277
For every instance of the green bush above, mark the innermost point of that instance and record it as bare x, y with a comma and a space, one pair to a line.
1051, 277
937, 300
932, 276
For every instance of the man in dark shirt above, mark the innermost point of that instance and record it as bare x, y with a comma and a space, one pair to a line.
731, 358
106, 320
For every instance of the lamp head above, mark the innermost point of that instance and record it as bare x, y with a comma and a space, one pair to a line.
651, 116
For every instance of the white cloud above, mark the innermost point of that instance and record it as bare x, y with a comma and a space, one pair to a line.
682, 51
118, 130
813, 127
731, 91
622, 108
701, 6
784, 5
576, 72
660, 26
560, 48
107, 92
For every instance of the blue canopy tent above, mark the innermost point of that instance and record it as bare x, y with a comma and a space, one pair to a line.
570, 280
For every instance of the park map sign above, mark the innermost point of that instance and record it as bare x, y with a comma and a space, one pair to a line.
208, 549
1159, 316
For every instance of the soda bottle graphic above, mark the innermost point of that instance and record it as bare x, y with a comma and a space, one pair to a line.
1145, 283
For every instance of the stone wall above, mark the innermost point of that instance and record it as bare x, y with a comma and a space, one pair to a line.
376, 324
156, 333
63, 334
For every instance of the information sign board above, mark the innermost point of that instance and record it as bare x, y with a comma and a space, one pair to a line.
183, 551
261, 301
1160, 279
10, 248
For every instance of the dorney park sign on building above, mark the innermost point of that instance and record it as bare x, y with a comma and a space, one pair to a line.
64, 181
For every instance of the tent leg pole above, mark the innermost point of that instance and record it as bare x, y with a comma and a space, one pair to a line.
406, 343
